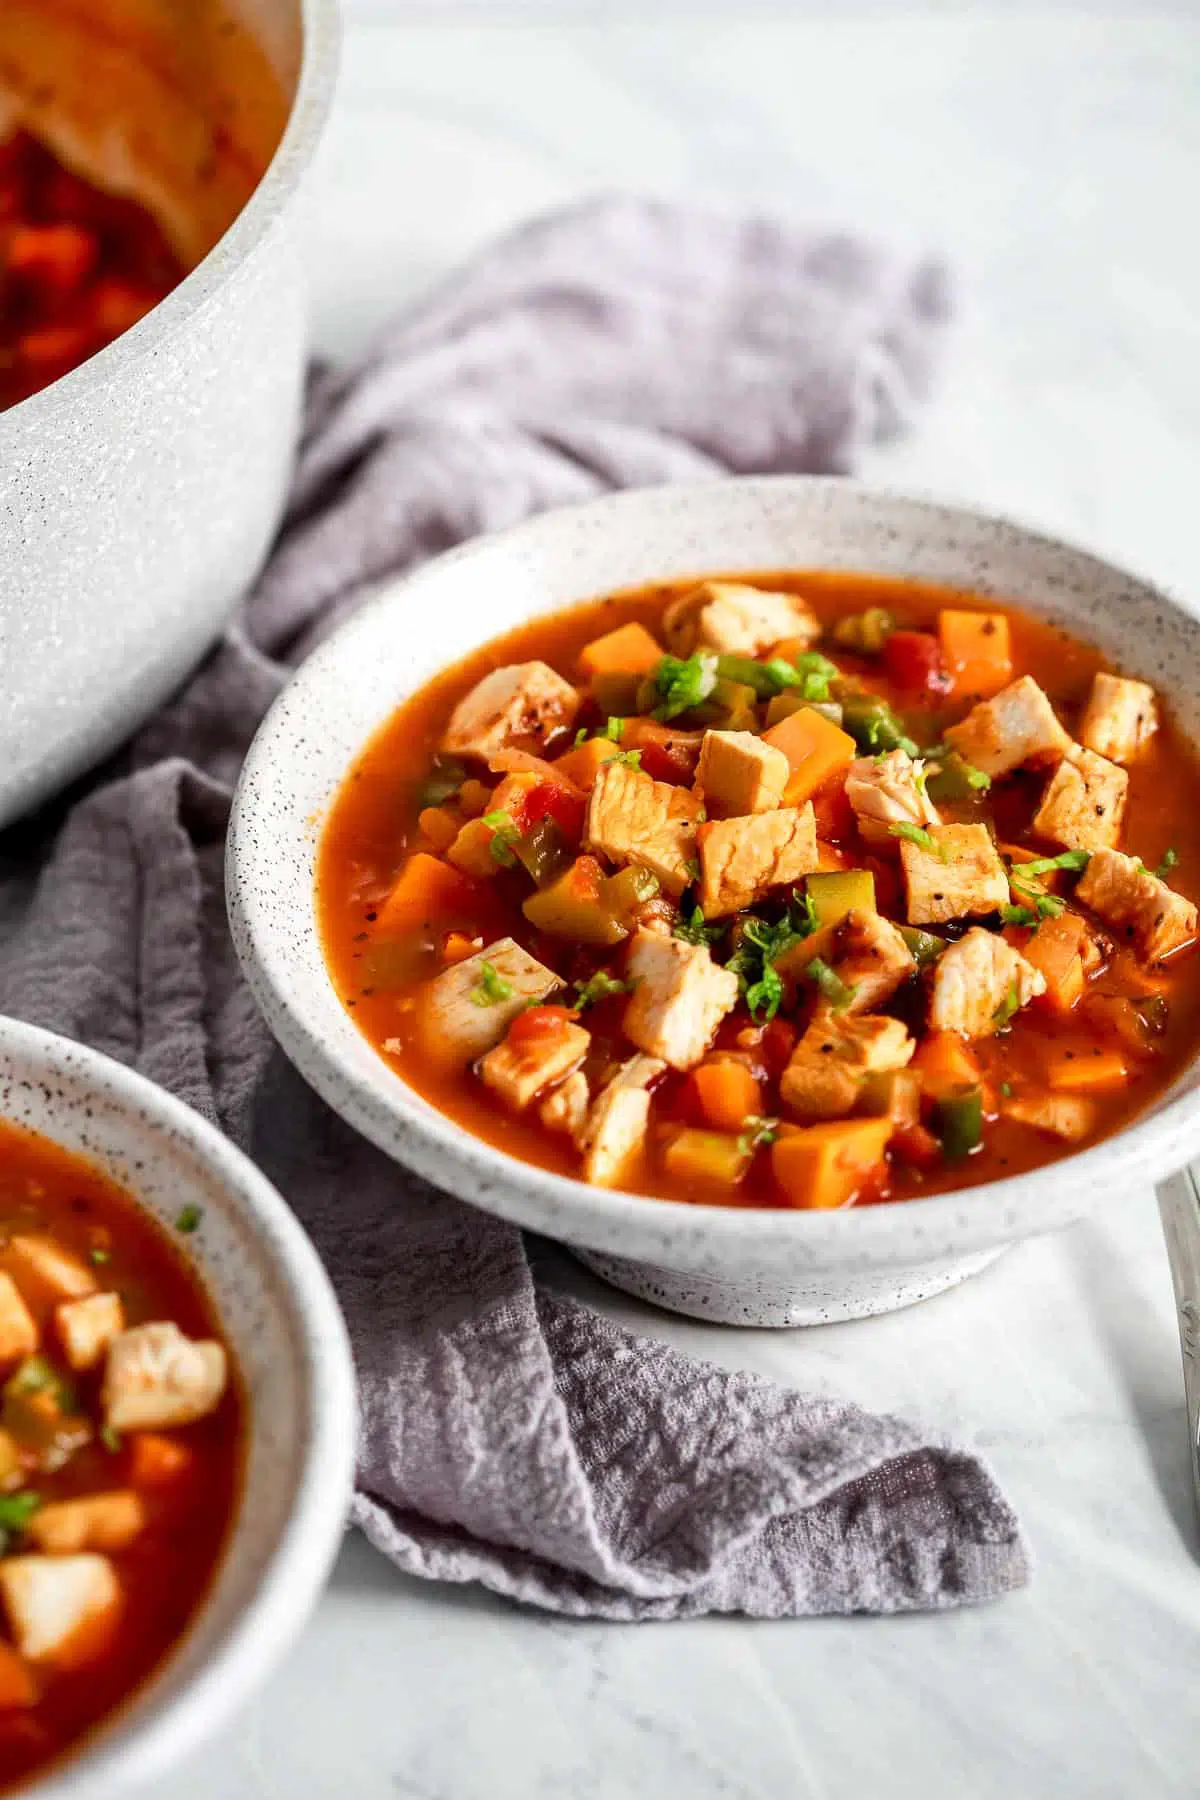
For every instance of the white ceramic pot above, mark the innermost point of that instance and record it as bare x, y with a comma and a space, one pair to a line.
281, 1320
743, 1267
139, 493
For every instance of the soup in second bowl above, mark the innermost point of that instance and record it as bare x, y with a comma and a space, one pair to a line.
121, 1443
795, 890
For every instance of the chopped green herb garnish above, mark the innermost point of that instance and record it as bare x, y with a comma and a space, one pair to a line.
1170, 858
756, 1131
1006, 1089
1042, 865
504, 836
1007, 1008
803, 916
832, 988
1018, 915
491, 988
925, 946
614, 730
753, 962
815, 672
16, 1510
631, 758
681, 684
580, 737
693, 929
916, 834
99, 1257
110, 1438
600, 986
188, 1219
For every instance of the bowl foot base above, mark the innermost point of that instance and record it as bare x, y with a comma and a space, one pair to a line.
756, 1302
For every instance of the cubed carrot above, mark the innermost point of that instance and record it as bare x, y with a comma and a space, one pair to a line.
945, 1064
815, 747
156, 1460
977, 651
1055, 949
833, 811
17, 1685
474, 797
726, 1093
831, 860
585, 761
425, 892
439, 825
1082, 1066
629, 650
456, 946
828, 1165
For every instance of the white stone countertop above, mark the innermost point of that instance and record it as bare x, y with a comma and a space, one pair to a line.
1054, 155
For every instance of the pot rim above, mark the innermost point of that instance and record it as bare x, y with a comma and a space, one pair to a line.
320, 22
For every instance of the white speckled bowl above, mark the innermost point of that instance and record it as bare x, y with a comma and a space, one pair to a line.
748, 1268
282, 1322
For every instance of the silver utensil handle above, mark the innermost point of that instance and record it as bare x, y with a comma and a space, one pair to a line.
1179, 1209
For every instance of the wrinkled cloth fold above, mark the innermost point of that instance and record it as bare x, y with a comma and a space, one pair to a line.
509, 1435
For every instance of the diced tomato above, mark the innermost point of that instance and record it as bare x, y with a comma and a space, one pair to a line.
887, 884
665, 754
549, 800
917, 1146
914, 662
833, 812
539, 1021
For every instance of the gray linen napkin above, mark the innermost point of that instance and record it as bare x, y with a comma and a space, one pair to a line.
507, 1434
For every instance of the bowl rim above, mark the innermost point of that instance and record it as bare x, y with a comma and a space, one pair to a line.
320, 25
379, 1103
124, 1748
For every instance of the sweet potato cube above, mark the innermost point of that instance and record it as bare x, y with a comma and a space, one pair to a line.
815, 747
18, 1328
824, 1166
977, 652
629, 650
45, 1273
427, 892
90, 1522
584, 762
156, 1460
87, 1327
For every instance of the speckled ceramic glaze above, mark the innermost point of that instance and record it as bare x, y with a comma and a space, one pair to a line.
283, 1325
139, 493
747, 1268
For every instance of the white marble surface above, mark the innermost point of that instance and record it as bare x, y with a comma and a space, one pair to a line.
1054, 155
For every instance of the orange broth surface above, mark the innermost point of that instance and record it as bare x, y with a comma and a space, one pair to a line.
165, 1574
373, 827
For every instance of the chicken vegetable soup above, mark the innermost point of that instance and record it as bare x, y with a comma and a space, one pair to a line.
801, 890
120, 1447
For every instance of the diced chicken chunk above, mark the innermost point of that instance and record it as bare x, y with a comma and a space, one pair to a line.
632, 818
1120, 718
741, 860
565, 1108
736, 619
616, 1123
44, 1271
92, 1522
962, 876
888, 790
1084, 802
156, 1378
739, 774
864, 950
1140, 908
834, 1058
1017, 726
87, 1327
517, 707
57, 1605
18, 1327
979, 983
518, 1072
679, 998
1068, 1116
466, 1010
